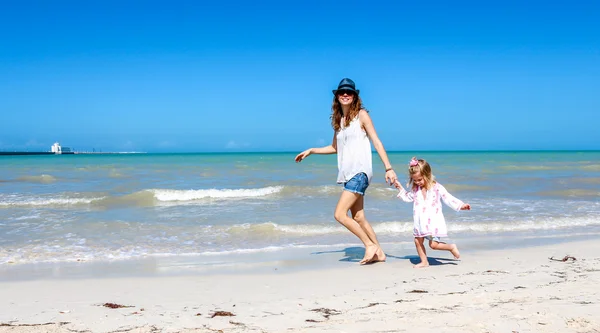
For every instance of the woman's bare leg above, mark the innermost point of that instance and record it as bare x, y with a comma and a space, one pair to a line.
358, 214
421, 251
347, 200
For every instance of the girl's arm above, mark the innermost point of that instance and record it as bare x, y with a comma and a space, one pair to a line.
406, 196
450, 200
403, 194
367, 124
331, 149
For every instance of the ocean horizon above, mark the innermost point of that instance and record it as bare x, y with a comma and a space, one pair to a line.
286, 151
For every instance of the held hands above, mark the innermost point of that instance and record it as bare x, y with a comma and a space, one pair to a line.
303, 155
465, 207
397, 185
390, 177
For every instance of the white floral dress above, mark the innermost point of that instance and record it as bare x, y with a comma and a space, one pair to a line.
427, 209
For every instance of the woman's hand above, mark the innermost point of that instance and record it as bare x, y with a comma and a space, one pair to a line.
390, 177
303, 155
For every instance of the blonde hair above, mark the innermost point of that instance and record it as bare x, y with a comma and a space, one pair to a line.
337, 113
424, 169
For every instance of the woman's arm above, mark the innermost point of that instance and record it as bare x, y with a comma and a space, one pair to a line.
367, 124
331, 149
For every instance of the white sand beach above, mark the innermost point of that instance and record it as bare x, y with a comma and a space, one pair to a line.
515, 290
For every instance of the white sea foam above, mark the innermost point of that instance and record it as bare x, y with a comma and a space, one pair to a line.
140, 198
268, 237
401, 227
398, 227
190, 195
499, 227
79, 253
18, 201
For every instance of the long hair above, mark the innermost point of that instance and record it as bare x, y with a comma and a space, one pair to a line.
337, 113
421, 167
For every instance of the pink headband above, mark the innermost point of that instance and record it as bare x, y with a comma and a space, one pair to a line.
413, 162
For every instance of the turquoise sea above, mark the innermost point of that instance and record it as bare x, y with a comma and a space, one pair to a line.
203, 211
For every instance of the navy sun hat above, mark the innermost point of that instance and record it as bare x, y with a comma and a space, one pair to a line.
347, 85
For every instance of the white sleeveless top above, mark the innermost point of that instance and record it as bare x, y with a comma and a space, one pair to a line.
353, 151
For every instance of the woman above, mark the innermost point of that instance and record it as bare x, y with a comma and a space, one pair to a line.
353, 128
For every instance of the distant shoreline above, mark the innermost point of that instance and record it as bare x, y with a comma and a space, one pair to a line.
22, 153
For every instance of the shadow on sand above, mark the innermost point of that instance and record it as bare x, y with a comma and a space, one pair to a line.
356, 253
432, 260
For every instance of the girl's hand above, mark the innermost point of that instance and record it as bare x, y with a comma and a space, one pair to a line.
390, 177
303, 155
465, 207
397, 184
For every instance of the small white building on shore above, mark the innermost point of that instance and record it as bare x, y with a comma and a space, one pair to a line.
56, 148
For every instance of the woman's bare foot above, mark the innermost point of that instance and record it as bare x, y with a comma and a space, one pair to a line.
422, 264
455, 252
370, 253
379, 256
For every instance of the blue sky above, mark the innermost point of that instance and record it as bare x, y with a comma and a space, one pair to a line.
192, 76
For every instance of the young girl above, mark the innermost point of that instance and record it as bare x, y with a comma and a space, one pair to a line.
426, 193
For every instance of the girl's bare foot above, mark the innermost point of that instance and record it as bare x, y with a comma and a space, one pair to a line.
422, 264
370, 253
455, 252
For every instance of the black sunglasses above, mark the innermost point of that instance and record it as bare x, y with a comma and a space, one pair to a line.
344, 91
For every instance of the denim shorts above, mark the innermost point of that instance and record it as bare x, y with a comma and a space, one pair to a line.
357, 184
